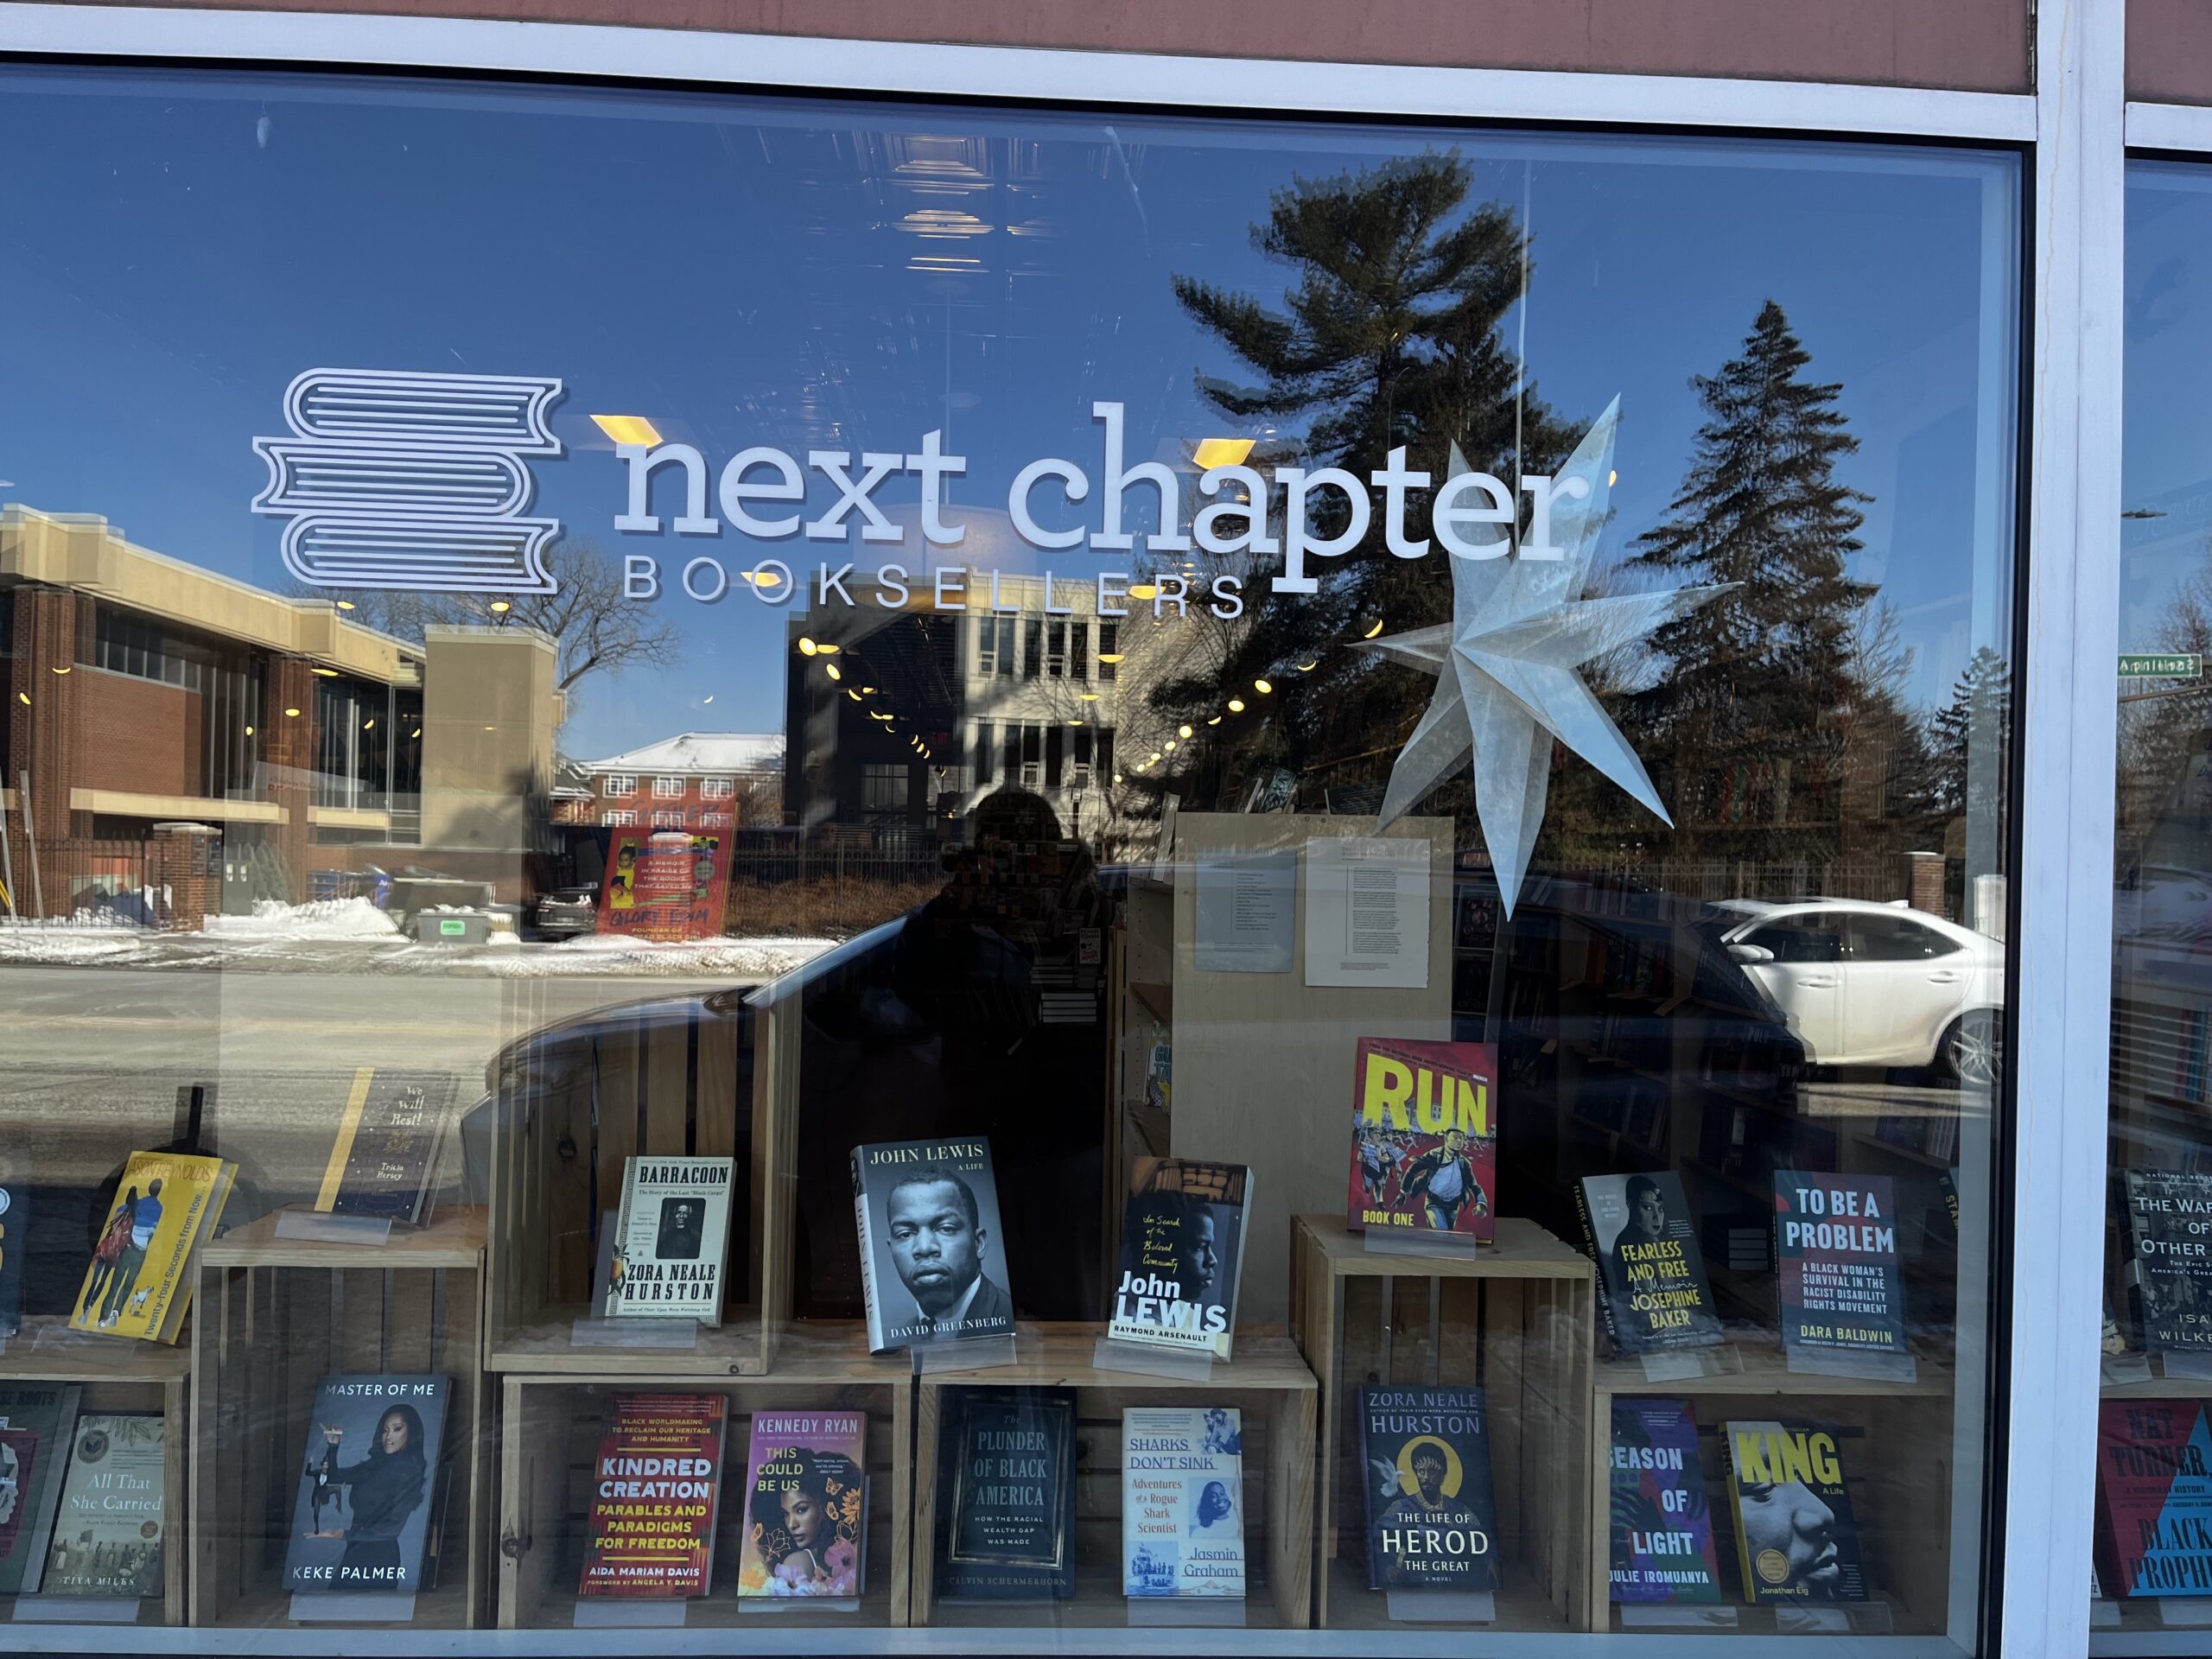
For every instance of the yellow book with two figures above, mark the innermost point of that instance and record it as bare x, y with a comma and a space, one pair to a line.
140, 1281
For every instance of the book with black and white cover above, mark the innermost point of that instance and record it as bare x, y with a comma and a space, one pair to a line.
1655, 1295
1182, 1253
2169, 1266
671, 1238
933, 1260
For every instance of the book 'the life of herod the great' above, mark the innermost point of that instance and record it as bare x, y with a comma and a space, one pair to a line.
2169, 1266
933, 1261
1432, 1520
1182, 1501
384, 1162
2154, 1497
805, 1527
1640, 1229
38, 1421
363, 1497
1006, 1461
1182, 1251
1836, 1244
1662, 1536
655, 1490
671, 1238
1424, 1139
1796, 1539
111, 1529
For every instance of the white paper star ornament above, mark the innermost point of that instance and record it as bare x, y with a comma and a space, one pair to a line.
1506, 669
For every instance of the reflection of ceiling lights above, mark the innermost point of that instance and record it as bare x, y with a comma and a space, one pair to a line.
627, 428
1091, 696
831, 669
945, 264
326, 673
1143, 590
806, 646
1237, 705
940, 222
1221, 452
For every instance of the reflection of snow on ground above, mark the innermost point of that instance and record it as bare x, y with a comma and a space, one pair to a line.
322, 919
602, 954
84, 938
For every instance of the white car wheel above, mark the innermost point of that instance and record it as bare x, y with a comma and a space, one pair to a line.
1973, 1049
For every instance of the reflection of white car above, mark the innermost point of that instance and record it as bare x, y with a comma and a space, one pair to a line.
1869, 984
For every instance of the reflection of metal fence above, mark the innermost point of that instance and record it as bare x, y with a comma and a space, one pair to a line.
81, 873
827, 887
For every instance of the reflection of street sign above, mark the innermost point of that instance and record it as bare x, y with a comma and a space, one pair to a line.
449, 930
2154, 665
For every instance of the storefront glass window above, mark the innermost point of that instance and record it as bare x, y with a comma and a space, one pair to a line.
1418, 1050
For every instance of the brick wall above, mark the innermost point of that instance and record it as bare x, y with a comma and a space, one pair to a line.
139, 734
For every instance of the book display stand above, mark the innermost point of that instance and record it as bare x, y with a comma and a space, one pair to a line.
272, 1316
366, 1232
1518, 1315
115, 1374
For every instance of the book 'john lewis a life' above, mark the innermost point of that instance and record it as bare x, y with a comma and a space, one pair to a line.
1005, 1518
1431, 1521
670, 1239
933, 1261
2154, 1497
1182, 1251
1796, 1539
1661, 1529
1424, 1138
362, 1507
806, 1505
111, 1530
655, 1490
1649, 1269
1182, 1501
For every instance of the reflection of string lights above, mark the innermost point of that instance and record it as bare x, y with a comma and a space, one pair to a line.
806, 646
1216, 720
1182, 731
830, 669
1372, 631
1262, 687
500, 608
1237, 705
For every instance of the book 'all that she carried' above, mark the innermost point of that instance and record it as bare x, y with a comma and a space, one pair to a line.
655, 1490
933, 1260
1182, 1501
805, 1526
1424, 1139
671, 1238
111, 1529
362, 1501
1182, 1251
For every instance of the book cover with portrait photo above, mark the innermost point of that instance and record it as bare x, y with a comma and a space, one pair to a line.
933, 1260
365, 1483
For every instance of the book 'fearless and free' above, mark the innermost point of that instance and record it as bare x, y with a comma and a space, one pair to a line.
1661, 1527
671, 1238
805, 1526
1424, 1138
1432, 1515
1182, 1501
2154, 1497
1182, 1253
1796, 1539
1650, 1271
655, 1490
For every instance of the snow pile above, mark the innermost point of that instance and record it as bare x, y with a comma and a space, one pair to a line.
323, 920
604, 953
87, 937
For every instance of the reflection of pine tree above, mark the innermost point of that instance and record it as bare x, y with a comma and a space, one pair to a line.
1388, 337
1750, 710
1975, 720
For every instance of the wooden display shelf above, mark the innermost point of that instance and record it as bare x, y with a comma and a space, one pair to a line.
119, 1374
1515, 1315
721, 1082
1266, 1380
272, 1317
2142, 1630
1894, 1432
551, 1432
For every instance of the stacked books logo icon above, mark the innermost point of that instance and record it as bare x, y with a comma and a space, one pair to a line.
411, 480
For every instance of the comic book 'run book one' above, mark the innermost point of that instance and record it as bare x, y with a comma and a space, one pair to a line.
1662, 1540
1432, 1520
671, 1238
2169, 1269
2154, 1497
655, 1490
1424, 1138
806, 1525
1182, 1251
1182, 1501
1005, 1520
362, 1510
933, 1261
1796, 1539
1836, 1243
1650, 1269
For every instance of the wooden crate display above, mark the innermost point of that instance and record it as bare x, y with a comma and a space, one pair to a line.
1267, 1381
552, 1426
1894, 1443
1516, 1318
272, 1317
118, 1374
686, 1078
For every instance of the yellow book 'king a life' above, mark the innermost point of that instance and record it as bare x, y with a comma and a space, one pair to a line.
140, 1281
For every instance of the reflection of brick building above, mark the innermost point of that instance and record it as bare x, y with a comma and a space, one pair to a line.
695, 780
145, 691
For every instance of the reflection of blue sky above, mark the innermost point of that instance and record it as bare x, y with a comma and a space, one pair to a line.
2166, 462
745, 272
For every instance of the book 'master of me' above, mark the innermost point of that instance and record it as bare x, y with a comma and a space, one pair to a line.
1424, 1138
656, 1487
1432, 1519
2154, 1497
361, 1509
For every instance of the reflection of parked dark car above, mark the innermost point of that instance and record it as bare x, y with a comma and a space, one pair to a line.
566, 912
